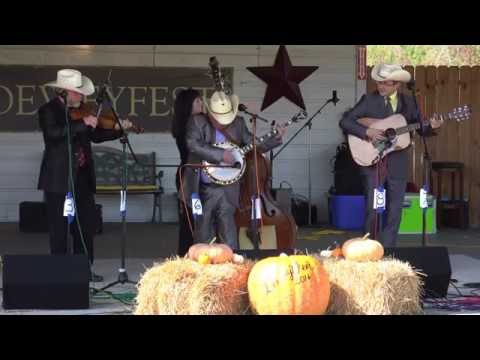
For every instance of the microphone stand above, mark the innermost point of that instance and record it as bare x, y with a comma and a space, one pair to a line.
271, 159
72, 193
70, 186
309, 142
122, 272
427, 161
243, 108
256, 238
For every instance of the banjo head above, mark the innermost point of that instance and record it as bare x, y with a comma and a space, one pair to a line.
226, 176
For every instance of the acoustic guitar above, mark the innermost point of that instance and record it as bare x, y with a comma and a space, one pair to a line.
397, 136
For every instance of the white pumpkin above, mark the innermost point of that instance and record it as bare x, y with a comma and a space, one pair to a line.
362, 249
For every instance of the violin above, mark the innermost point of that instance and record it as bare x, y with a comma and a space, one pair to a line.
106, 119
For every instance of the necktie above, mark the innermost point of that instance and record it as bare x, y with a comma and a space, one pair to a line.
388, 105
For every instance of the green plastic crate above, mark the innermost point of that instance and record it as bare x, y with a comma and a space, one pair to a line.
412, 219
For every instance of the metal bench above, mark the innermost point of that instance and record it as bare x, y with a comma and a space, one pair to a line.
142, 179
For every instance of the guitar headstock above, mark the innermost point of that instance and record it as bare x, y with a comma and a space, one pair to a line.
460, 113
216, 74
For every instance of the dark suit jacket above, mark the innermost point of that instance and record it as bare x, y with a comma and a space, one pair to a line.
200, 137
373, 106
54, 169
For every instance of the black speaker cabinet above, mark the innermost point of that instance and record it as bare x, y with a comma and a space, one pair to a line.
33, 217
45, 282
432, 261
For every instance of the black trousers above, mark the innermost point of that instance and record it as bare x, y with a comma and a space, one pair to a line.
84, 212
218, 217
185, 237
395, 193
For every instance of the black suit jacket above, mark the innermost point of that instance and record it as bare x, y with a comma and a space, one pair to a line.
373, 106
54, 169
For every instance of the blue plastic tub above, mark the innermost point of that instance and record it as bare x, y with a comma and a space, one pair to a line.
347, 212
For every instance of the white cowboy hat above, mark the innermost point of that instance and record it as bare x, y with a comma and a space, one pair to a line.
222, 107
385, 72
73, 80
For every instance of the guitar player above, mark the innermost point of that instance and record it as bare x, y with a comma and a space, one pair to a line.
392, 170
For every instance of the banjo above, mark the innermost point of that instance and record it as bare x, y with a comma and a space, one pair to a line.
229, 175
223, 174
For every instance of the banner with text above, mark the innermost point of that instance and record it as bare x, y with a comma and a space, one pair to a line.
144, 95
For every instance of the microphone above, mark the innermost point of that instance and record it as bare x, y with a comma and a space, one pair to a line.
64, 95
103, 89
101, 94
243, 108
411, 85
335, 99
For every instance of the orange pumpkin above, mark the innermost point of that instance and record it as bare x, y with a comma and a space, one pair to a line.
337, 252
362, 249
289, 285
217, 253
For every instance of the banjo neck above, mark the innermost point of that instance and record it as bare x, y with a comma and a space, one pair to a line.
247, 148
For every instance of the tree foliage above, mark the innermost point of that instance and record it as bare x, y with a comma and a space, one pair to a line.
436, 55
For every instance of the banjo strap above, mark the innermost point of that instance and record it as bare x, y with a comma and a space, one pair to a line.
223, 130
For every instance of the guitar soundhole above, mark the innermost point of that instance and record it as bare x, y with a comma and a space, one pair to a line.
390, 134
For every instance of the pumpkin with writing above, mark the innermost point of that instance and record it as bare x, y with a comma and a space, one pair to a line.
289, 285
210, 253
362, 249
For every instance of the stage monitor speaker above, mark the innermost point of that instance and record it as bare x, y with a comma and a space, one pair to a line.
262, 253
432, 261
45, 282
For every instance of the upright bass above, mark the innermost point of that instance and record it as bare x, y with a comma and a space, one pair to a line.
268, 226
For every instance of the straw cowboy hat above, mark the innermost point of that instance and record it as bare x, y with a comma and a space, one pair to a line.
222, 108
385, 72
73, 80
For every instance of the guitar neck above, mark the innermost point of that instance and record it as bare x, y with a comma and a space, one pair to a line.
416, 126
408, 128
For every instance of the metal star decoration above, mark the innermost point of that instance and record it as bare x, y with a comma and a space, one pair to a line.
282, 79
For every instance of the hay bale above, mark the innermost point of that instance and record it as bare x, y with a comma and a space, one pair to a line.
185, 287
385, 287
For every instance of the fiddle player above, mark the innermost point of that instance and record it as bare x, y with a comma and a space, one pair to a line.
71, 88
219, 202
